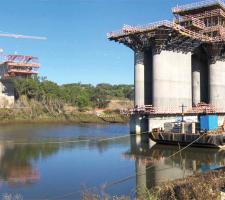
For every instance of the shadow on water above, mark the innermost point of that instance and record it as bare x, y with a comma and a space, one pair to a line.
153, 167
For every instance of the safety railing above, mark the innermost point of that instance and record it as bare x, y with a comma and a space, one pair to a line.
24, 64
198, 23
132, 29
22, 71
197, 5
150, 110
193, 34
205, 14
173, 25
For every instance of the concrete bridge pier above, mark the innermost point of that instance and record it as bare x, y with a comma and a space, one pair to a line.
138, 123
196, 79
217, 84
171, 81
139, 80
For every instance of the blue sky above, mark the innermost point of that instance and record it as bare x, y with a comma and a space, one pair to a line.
77, 49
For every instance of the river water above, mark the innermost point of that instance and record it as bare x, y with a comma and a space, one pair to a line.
46, 161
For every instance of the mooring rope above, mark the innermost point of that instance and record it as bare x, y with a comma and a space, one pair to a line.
119, 181
116, 182
74, 141
140, 174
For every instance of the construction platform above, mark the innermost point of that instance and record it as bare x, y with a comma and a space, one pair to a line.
19, 66
177, 63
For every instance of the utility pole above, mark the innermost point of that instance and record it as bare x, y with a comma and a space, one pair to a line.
182, 119
182, 107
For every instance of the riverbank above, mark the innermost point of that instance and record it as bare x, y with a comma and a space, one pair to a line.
8, 116
200, 186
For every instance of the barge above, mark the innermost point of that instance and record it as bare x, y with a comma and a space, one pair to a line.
212, 140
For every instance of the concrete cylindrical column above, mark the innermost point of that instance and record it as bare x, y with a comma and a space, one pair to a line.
139, 81
217, 85
196, 79
171, 81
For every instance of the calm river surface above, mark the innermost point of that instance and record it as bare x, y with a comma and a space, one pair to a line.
38, 162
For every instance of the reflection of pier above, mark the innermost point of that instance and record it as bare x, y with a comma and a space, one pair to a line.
154, 167
1, 150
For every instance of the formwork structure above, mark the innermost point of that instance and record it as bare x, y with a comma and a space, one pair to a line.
15, 66
19, 66
179, 62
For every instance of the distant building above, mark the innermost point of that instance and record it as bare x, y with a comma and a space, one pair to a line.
15, 66
19, 66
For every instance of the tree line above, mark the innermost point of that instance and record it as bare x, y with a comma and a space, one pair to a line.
76, 94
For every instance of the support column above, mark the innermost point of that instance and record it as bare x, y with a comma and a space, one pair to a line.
139, 82
171, 81
139, 123
217, 84
196, 79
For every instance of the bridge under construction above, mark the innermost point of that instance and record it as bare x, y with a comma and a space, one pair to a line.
179, 62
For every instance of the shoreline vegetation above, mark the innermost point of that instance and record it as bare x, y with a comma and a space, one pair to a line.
8, 116
207, 186
47, 102
199, 186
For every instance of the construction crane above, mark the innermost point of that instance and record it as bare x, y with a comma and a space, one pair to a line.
18, 36
18, 65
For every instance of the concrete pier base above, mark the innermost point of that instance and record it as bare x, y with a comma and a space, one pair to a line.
138, 124
159, 121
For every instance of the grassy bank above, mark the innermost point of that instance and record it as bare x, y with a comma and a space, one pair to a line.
200, 186
46, 101
34, 116
205, 186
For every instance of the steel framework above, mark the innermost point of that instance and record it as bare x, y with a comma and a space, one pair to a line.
194, 24
19, 65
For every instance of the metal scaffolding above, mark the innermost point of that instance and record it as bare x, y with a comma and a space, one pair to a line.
202, 22
19, 65
197, 5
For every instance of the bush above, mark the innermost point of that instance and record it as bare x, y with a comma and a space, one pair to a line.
77, 94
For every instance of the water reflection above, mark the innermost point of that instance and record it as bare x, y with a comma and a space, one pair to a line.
17, 161
153, 166
47, 162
